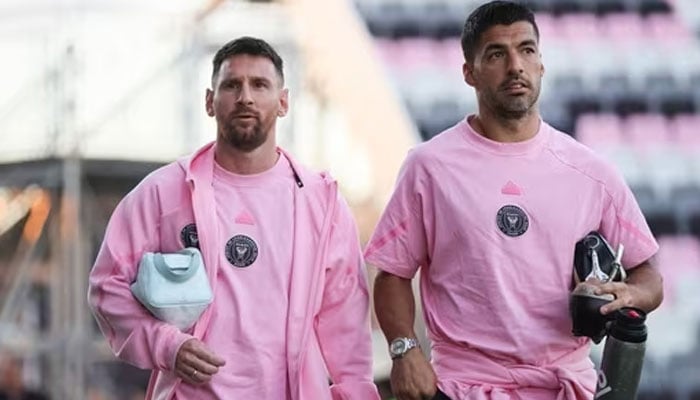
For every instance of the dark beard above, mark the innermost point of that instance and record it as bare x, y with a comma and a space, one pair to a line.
244, 141
513, 109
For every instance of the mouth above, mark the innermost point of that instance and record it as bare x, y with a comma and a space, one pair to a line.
515, 87
244, 117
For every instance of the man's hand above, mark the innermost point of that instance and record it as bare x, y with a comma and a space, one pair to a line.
412, 377
643, 289
623, 292
196, 364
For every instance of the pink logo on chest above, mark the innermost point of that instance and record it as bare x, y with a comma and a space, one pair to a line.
244, 218
512, 189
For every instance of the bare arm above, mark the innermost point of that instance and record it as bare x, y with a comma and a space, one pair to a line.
643, 289
395, 305
412, 377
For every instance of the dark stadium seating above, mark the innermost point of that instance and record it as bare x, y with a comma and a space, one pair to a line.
647, 7
603, 57
622, 77
396, 18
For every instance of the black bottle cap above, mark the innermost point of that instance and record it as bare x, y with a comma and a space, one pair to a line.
629, 325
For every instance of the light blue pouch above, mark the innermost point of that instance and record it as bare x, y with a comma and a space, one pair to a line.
173, 286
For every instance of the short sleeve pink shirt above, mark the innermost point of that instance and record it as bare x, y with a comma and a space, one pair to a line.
493, 226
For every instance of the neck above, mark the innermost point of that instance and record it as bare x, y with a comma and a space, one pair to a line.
246, 163
506, 130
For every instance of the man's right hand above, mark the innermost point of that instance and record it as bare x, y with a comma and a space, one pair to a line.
412, 377
196, 364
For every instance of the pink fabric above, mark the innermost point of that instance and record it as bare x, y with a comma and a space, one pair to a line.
511, 189
327, 328
560, 380
487, 295
247, 327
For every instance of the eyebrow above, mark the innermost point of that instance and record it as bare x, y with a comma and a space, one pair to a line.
501, 46
252, 78
528, 42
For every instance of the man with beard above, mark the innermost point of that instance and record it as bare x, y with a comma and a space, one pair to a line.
280, 248
490, 211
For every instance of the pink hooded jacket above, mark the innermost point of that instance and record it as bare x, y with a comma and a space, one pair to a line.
327, 325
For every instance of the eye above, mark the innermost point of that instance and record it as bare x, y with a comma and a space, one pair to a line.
497, 54
230, 85
529, 50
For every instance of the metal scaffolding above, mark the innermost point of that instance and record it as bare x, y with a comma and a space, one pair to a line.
70, 152
56, 199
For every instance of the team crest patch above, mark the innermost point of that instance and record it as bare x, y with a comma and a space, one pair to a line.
512, 220
241, 251
189, 237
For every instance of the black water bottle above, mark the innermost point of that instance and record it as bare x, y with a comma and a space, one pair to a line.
623, 356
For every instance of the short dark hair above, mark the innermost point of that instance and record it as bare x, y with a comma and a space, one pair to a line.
497, 12
250, 46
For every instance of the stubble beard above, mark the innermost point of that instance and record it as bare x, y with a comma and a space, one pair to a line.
245, 139
512, 107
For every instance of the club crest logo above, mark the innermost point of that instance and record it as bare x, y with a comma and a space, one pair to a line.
189, 237
241, 251
512, 220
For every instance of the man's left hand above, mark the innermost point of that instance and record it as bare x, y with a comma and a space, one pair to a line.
625, 295
643, 289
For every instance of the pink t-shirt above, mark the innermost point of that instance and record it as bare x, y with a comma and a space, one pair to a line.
247, 328
493, 227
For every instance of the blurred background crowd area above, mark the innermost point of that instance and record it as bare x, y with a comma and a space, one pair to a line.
96, 94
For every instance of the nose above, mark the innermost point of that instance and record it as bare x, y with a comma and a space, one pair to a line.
245, 95
515, 64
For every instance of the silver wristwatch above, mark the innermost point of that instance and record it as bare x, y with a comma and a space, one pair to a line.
400, 346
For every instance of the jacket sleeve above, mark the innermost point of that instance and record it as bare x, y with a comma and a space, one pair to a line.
133, 334
342, 325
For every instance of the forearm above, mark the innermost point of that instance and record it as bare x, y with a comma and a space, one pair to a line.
394, 305
342, 323
133, 334
343, 332
648, 283
344, 336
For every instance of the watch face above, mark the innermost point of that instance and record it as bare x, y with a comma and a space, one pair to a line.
398, 346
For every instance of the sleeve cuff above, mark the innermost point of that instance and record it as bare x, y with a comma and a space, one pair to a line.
174, 347
401, 272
